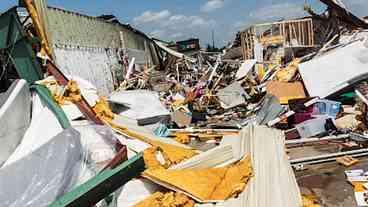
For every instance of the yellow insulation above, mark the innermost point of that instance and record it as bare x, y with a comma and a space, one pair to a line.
206, 184
170, 199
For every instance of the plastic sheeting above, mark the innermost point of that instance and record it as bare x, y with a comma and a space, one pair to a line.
44, 175
99, 145
15, 115
44, 126
56, 165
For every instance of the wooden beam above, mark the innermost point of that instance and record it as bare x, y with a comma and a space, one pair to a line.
283, 22
312, 32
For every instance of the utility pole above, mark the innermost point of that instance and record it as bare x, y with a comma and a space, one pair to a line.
213, 39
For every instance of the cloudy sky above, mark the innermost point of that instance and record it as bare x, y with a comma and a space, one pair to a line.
182, 19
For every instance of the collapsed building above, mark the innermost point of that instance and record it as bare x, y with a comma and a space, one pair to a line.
96, 49
189, 47
96, 113
280, 41
273, 42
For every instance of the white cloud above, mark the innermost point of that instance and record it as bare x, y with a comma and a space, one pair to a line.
177, 18
149, 16
174, 20
356, 2
182, 21
240, 25
168, 26
196, 21
176, 35
212, 5
278, 11
357, 7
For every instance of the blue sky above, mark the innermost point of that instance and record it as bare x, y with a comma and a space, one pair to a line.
181, 19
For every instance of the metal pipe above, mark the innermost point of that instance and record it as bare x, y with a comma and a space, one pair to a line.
309, 140
327, 156
329, 159
204, 130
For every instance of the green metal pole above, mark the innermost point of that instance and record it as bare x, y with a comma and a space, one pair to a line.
47, 98
18, 45
102, 185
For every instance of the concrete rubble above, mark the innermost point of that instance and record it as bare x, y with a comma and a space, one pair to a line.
108, 116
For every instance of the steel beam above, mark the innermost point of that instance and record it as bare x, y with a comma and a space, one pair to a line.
82, 105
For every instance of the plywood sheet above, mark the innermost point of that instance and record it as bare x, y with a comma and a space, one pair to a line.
285, 91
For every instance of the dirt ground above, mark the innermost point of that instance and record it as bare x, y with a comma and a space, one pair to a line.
327, 181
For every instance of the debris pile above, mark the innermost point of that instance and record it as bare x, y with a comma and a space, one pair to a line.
123, 119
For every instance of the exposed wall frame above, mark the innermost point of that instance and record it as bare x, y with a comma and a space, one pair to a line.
289, 34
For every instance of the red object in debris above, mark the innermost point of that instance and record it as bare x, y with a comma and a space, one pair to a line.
119, 158
292, 134
300, 117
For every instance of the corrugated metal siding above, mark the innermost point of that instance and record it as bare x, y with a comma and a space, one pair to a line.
73, 37
68, 28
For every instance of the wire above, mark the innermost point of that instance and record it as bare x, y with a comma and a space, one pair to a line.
9, 56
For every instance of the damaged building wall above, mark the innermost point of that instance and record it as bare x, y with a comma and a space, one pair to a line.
93, 48
279, 42
273, 41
